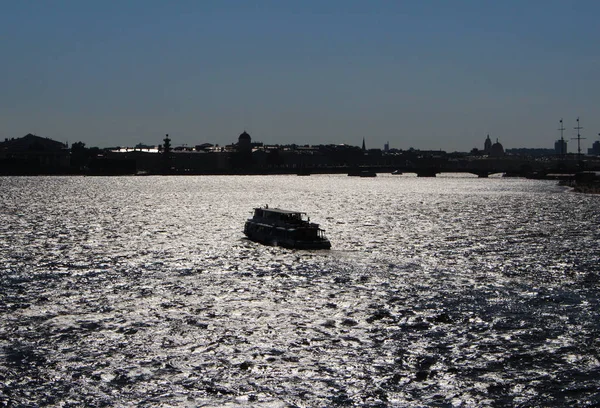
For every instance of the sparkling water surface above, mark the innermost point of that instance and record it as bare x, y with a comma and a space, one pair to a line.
449, 291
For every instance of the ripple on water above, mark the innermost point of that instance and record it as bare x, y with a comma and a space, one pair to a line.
443, 292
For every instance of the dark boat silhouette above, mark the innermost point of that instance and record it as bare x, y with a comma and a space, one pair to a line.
285, 228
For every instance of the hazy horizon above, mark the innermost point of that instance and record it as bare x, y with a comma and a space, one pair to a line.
429, 75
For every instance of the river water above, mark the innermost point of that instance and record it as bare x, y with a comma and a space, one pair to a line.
448, 291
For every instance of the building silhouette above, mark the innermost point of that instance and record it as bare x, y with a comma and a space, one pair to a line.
560, 147
33, 154
595, 150
487, 145
496, 150
244, 142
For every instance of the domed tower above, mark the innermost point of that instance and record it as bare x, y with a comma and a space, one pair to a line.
497, 150
487, 146
244, 142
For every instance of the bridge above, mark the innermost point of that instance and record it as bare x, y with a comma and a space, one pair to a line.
481, 167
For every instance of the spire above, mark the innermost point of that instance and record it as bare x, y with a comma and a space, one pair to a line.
487, 145
364, 148
167, 145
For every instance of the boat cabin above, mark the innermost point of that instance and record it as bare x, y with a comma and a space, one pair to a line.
285, 216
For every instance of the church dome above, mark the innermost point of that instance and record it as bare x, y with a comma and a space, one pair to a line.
497, 149
244, 142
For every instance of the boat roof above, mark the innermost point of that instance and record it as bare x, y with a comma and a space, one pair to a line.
279, 210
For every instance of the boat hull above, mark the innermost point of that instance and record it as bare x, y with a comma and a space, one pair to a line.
283, 237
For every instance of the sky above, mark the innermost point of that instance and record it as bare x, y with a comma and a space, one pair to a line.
431, 75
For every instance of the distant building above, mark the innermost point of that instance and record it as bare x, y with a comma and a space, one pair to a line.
496, 150
487, 145
492, 150
595, 150
33, 154
31, 142
386, 147
204, 147
244, 142
530, 152
560, 147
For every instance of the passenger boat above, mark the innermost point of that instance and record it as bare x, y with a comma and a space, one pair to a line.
288, 229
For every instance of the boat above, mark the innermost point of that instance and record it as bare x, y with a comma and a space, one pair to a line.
285, 228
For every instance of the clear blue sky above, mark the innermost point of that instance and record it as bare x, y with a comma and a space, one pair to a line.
423, 74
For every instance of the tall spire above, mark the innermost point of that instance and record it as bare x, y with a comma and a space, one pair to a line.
364, 148
487, 146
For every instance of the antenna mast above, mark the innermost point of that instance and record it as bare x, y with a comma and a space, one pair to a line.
578, 128
562, 139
